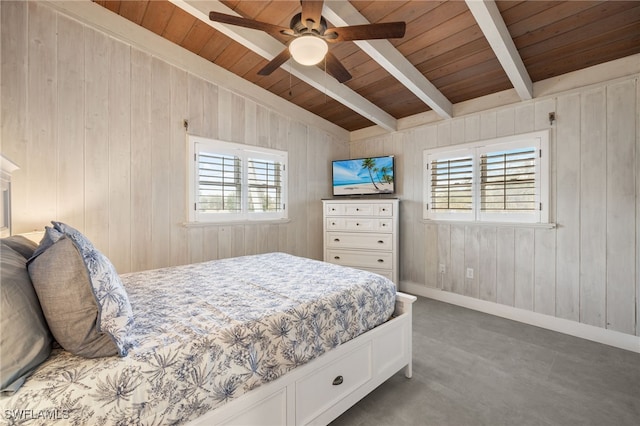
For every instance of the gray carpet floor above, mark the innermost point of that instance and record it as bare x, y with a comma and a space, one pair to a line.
471, 368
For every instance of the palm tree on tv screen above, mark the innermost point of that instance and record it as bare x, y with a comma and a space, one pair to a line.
370, 164
386, 177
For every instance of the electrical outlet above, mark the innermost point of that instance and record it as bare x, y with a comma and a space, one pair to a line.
442, 269
470, 273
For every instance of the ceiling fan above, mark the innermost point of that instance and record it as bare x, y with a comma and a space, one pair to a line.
310, 36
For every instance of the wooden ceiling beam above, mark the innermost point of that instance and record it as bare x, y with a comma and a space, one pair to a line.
384, 53
495, 30
268, 47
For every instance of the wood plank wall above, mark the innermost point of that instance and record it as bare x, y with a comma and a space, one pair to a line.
584, 270
96, 126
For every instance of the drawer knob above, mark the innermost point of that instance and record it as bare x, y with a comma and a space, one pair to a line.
357, 224
336, 257
380, 260
380, 242
338, 381
357, 210
337, 240
333, 223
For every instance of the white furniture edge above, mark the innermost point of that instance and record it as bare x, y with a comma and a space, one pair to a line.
257, 403
561, 325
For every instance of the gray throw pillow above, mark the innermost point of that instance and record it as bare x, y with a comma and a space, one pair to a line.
48, 239
22, 245
25, 340
115, 316
84, 321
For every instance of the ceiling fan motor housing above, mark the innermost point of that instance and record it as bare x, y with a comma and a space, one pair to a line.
300, 27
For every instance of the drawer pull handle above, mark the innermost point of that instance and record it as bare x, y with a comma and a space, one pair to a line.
338, 381
336, 257
380, 242
380, 260
337, 240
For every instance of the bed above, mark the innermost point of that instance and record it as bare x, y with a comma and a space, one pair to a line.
262, 339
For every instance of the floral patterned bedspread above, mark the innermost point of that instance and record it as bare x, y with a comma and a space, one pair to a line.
205, 334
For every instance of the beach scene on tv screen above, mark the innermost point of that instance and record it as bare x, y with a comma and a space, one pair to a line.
363, 176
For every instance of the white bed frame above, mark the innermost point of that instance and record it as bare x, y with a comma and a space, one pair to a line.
319, 391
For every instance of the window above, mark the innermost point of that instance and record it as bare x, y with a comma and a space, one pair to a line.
499, 180
230, 181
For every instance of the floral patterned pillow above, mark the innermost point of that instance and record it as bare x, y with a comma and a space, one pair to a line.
115, 316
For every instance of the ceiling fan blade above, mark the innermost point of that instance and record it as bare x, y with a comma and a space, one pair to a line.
336, 69
249, 23
312, 10
275, 63
366, 32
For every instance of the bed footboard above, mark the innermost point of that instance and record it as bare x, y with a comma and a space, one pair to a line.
318, 392
404, 306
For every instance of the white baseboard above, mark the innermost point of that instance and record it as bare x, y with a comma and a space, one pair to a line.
572, 328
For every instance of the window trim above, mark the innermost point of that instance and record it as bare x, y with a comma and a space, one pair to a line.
244, 152
539, 139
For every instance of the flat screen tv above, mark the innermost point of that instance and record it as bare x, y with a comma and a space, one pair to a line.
364, 176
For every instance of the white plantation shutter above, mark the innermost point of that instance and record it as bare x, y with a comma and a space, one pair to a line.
450, 185
511, 181
502, 180
230, 181
508, 180
265, 185
219, 183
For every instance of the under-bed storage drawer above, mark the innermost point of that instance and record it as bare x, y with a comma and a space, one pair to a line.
321, 389
271, 410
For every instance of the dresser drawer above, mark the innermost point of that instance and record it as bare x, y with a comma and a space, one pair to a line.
334, 209
359, 224
323, 388
360, 209
362, 241
360, 259
384, 209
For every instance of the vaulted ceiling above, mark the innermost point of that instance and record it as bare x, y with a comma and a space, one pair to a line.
452, 51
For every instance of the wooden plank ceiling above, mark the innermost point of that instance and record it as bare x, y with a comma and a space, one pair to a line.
443, 42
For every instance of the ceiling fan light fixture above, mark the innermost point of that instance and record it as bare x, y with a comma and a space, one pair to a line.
308, 49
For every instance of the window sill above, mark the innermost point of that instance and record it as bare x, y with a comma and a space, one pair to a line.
492, 224
236, 222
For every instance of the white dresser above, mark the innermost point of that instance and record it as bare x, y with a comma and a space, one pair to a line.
363, 234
